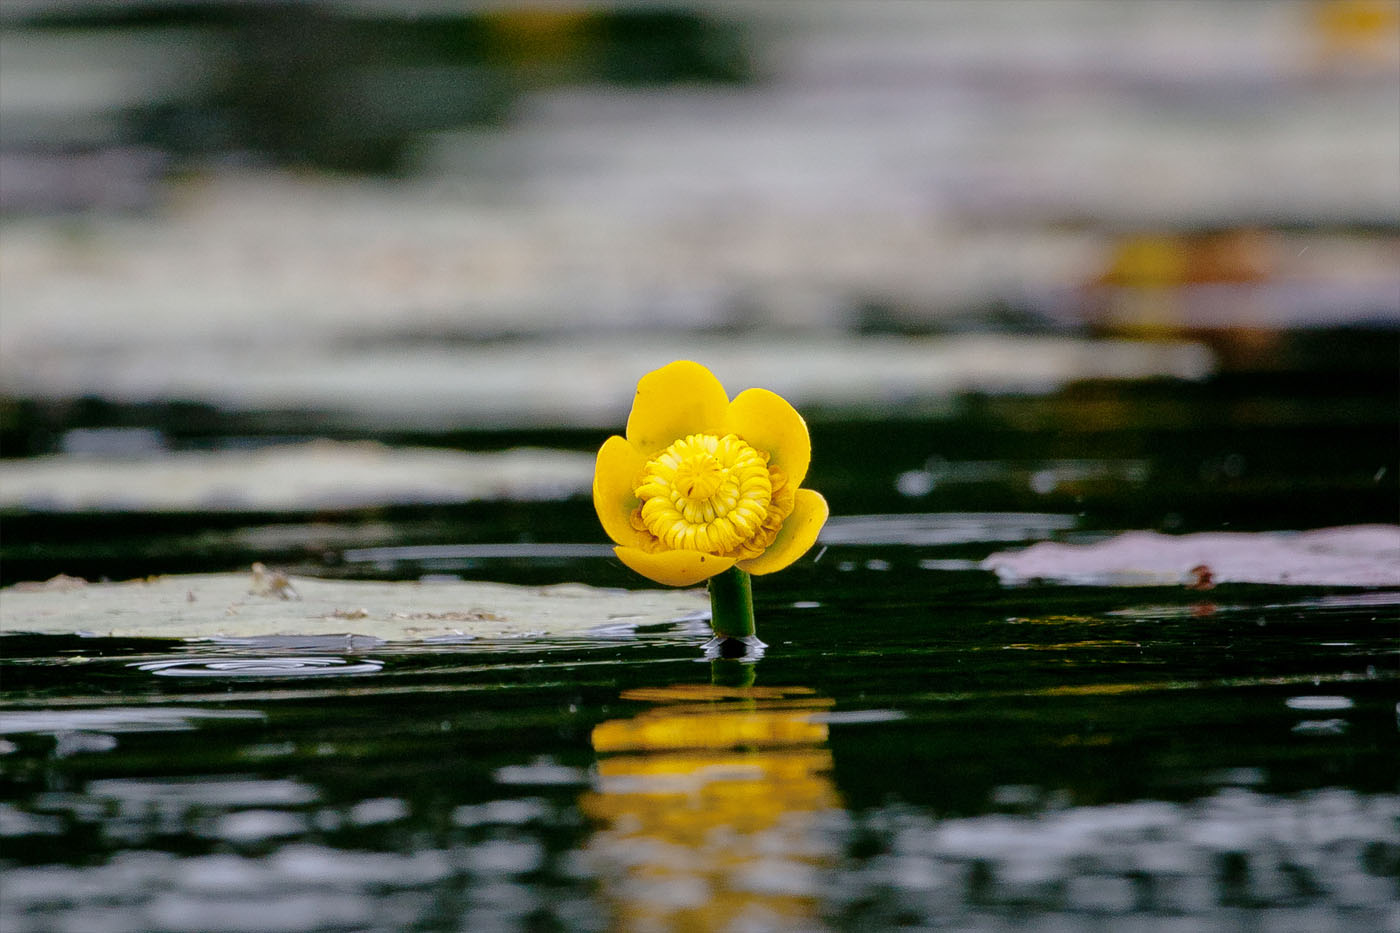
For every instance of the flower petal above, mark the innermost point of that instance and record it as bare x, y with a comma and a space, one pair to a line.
673, 568
798, 534
768, 423
679, 399
615, 475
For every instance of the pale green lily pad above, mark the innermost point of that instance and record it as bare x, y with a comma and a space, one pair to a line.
582, 381
265, 603
290, 477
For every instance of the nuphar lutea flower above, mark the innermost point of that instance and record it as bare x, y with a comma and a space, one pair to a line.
701, 483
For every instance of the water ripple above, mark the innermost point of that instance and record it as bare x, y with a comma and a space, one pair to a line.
259, 667
944, 528
116, 719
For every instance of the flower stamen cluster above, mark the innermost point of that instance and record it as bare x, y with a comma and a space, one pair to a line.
711, 493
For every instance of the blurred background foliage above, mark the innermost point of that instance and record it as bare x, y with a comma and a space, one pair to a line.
880, 167
350, 87
1025, 233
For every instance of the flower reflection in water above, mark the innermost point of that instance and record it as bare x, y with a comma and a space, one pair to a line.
711, 808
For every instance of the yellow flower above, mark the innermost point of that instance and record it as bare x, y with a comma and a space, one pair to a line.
701, 483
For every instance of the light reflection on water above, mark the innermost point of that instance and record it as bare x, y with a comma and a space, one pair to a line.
709, 808
115, 719
705, 807
944, 528
1320, 860
891, 765
260, 667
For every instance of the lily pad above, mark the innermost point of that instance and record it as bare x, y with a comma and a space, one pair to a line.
579, 381
266, 603
317, 475
1355, 555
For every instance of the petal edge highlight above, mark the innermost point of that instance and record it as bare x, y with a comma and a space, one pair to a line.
615, 474
768, 422
673, 568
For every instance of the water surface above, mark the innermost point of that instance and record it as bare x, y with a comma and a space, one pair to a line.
921, 746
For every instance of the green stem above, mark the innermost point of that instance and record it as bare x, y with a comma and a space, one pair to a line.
732, 674
731, 604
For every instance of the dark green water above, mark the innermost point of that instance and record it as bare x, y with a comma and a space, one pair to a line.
987, 760
921, 747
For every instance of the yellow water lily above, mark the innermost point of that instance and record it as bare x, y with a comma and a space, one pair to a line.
702, 483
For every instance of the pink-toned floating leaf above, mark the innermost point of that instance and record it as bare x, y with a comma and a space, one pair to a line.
1355, 555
